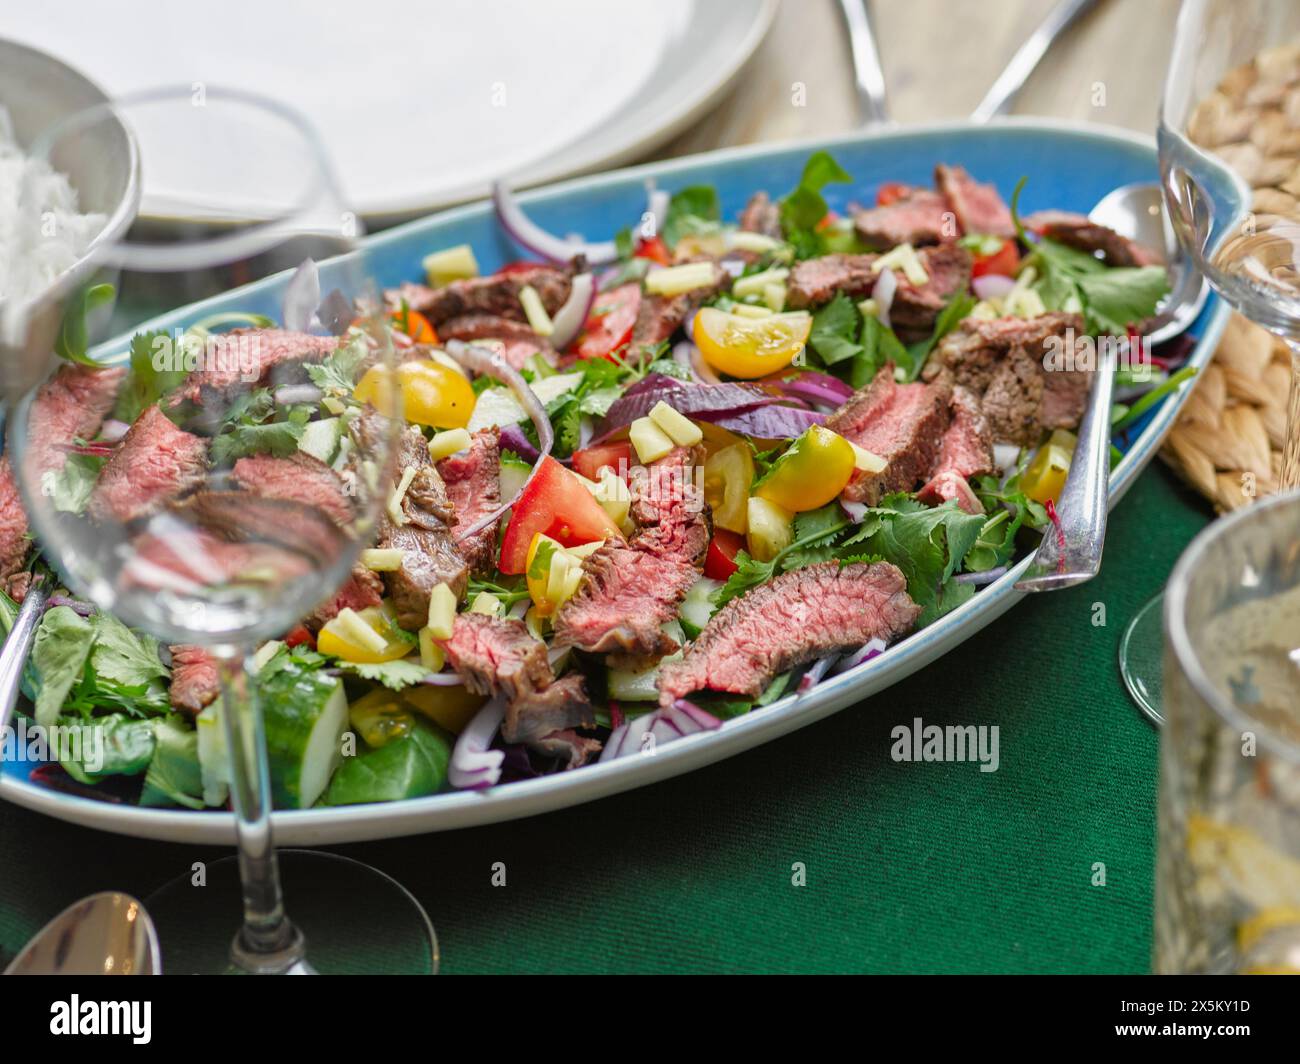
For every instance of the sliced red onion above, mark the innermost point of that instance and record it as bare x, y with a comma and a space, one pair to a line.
513, 439
703, 371
816, 671
442, 679
85, 609
706, 402
685, 353
473, 764
992, 286
527, 234
113, 430
517, 611
980, 579
883, 294
775, 422
680, 719
733, 267
702, 719
866, 652
857, 511
815, 387
292, 394
301, 297
569, 319
481, 361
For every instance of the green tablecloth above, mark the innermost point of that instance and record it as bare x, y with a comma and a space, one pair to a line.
910, 867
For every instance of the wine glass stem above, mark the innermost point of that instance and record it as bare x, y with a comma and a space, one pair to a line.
1290, 474
268, 941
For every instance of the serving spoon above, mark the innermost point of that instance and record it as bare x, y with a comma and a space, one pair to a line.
105, 934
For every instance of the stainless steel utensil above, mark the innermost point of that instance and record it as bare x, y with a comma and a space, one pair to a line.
18, 644
105, 934
868, 73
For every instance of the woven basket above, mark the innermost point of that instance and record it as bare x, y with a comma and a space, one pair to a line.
1228, 439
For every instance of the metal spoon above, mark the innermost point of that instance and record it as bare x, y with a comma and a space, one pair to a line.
18, 644
1071, 553
104, 934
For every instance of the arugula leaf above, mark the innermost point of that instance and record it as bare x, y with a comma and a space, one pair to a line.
74, 483
879, 345
624, 243
173, 777
126, 748
804, 208
961, 304
146, 384
835, 329
687, 209
73, 340
59, 655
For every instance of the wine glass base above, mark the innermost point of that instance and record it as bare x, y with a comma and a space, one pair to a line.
355, 919
1141, 659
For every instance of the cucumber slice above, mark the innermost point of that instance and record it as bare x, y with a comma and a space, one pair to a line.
174, 777
214, 759
498, 406
512, 474
320, 439
306, 713
698, 607
637, 685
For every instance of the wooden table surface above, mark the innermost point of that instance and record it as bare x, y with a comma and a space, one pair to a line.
940, 57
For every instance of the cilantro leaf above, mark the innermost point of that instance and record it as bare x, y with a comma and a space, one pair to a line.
147, 383
278, 438
691, 210
395, 675
541, 563
337, 373
804, 208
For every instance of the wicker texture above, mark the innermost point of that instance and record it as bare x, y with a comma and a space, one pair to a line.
1229, 438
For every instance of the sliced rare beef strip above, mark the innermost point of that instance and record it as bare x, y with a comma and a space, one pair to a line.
798, 617
1015, 365
921, 217
498, 656
518, 341
497, 294
70, 406
902, 423
362, 589
1078, 232
155, 463
816, 281
194, 682
761, 215
473, 482
965, 451
241, 517
979, 208
184, 558
243, 358
629, 590
915, 307
430, 555
660, 316
299, 478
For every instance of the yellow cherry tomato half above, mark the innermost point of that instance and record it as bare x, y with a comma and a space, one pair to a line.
750, 347
814, 470
728, 473
432, 394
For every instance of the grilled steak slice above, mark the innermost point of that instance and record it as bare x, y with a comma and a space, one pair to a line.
1078, 232
194, 683
630, 589
815, 281
1006, 361
155, 463
761, 215
917, 306
430, 555
14, 540
185, 559
518, 340
965, 451
71, 405
360, 590
496, 656
660, 316
473, 485
244, 518
244, 357
497, 294
800, 616
902, 423
299, 478
922, 217
979, 208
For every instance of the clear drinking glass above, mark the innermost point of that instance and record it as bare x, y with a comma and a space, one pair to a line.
1228, 872
1230, 119
183, 525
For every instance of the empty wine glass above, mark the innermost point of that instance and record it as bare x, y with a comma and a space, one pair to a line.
1231, 113
192, 475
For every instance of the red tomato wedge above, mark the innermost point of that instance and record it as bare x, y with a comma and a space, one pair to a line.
655, 250
556, 504
591, 460
611, 321
1003, 261
720, 561
892, 192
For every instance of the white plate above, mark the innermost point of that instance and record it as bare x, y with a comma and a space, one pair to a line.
421, 104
